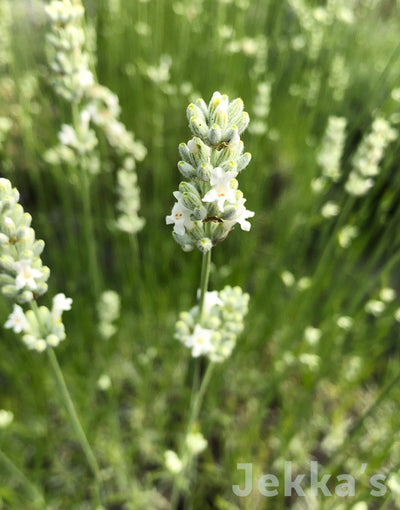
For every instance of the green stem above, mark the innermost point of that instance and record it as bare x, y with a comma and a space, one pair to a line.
71, 411
90, 235
197, 396
87, 213
205, 275
4, 459
198, 400
194, 414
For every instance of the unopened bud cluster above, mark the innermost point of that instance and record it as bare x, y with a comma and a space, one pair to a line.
195, 443
65, 45
222, 322
96, 106
368, 157
331, 149
42, 329
23, 276
209, 202
108, 308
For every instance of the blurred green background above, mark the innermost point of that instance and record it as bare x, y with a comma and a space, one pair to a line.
281, 396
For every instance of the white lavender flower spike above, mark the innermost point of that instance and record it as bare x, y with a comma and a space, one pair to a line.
23, 277
209, 202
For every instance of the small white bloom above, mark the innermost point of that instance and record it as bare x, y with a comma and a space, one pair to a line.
26, 275
60, 304
52, 340
393, 483
39, 345
387, 294
67, 136
312, 361
222, 189
200, 341
6, 417
172, 462
180, 216
211, 299
312, 335
375, 307
17, 320
345, 322
318, 184
85, 78
304, 283
330, 209
357, 185
196, 443
104, 382
192, 146
397, 315
361, 505
396, 94
288, 278
346, 235
242, 214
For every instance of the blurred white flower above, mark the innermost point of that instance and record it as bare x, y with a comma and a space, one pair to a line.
387, 294
330, 210
26, 275
200, 341
375, 307
60, 304
104, 382
288, 278
346, 235
312, 335
172, 462
222, 189
17, 320
345, 322
196, 443
6, 417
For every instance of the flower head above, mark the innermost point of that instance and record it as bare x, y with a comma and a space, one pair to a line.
17, 320
26, 275
60, 304
222, 188
200, 341
180, 216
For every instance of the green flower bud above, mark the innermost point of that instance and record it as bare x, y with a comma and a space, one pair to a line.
243, 122
6, 279
229, 166
38, 248
186, 169
214, 134
184, 152
9, 291
8, 227
235, 110
204, 244
199, 213
220, 118
230, 212
243, 161
7, 263
200, 103
198, 127
194, 111
204, 172
26, 296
